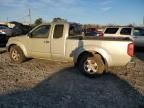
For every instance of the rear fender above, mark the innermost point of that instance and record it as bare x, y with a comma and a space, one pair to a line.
93, 50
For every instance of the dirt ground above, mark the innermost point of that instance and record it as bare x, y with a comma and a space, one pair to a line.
50, 84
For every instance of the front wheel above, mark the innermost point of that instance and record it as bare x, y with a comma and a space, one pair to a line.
16, 54
91, 65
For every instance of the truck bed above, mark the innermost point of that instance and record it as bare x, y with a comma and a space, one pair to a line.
114, 50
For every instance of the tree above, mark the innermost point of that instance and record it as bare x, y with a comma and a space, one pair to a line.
38, 21
130, 25
58, 19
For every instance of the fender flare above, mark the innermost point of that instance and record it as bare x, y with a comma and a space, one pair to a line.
93, 50
22, 47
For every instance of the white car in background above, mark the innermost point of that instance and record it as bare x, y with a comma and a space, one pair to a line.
134, 33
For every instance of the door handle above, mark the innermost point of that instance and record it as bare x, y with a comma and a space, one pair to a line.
46, 41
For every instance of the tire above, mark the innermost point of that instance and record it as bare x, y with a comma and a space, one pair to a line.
91, 65
17, 55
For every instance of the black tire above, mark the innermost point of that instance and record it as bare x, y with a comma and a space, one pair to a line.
17, 55
96, 62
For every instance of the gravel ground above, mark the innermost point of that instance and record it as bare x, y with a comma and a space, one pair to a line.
49, 84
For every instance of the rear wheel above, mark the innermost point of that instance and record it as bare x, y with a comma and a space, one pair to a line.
91, 65
16, 54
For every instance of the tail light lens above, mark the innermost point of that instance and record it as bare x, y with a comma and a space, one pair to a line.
100, 34
130, 49
4, 30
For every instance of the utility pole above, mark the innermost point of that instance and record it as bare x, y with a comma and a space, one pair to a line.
7, 19
29, 15
143, 20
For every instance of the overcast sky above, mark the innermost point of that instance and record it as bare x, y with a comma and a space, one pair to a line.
83, 11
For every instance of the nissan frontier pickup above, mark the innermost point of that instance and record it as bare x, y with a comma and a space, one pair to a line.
65, 41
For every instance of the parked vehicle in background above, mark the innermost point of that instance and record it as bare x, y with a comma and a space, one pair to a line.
6, 30
3, 40
100, 33
3, 25
63, 41
93, 32
26, 29
134, 33
19, 29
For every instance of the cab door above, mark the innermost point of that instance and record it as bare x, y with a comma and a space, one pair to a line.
39, 42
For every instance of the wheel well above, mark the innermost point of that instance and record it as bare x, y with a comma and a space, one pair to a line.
11, 46
92, 53
23, 50
82, 54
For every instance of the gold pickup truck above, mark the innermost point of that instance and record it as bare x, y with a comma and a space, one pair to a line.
64, 41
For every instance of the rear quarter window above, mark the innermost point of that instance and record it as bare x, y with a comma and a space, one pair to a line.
126, 31
58, 31
111, 30
75, 30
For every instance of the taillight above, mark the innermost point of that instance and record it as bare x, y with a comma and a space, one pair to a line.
130, 49
101, 35
4, 30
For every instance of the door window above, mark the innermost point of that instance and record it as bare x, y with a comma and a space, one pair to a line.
58, 31
41, 32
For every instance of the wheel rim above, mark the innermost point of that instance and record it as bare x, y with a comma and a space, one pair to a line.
15, 55
90, 66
